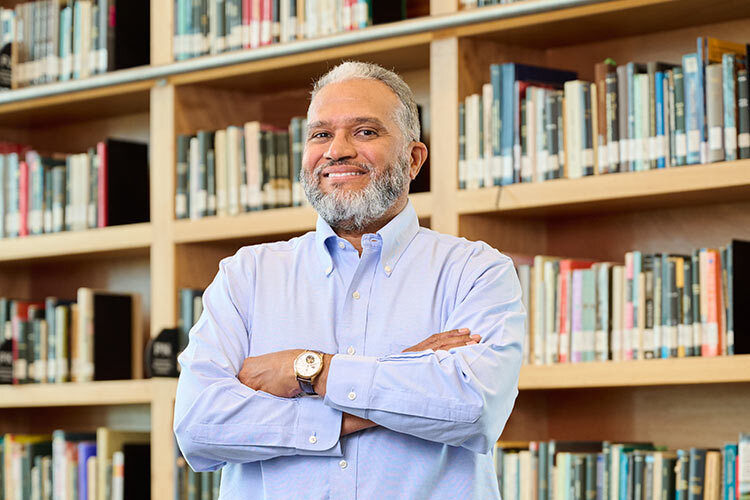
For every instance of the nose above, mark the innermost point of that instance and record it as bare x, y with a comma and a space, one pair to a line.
340, 148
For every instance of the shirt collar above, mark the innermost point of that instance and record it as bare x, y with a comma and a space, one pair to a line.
396, 236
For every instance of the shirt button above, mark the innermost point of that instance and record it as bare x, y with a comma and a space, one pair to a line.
343, 464
387, 269
355, 295
342, 245
351, 350
352, 396
313, 439
329, 269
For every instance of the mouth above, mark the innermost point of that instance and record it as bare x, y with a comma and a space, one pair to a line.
340, 175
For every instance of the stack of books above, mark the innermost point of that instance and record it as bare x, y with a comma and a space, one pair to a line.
601, 470
658, 305
97, 337
58, 40
106, 186
239, 169
102, 465
215, 26
533, 124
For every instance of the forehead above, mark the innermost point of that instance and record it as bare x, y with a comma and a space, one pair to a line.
352, 98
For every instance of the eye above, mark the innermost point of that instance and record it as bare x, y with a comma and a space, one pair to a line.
319, 135
367, 132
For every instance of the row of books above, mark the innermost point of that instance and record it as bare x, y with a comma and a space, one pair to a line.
533, 124
191, 485
103, 465
97, 337
214, 26
656, 305
471, 4
239, 169
600, 470
106, 186
58, 40
190, 309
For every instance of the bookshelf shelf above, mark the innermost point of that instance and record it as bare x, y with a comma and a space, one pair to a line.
280, 221
132, 238
652, 372
117, 392
679, 186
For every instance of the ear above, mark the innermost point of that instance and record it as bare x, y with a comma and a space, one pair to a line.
418, 154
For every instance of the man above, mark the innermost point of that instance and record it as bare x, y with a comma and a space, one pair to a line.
346, 312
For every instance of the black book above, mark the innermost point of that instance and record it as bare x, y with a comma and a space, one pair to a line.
128, 34
681, 471
668, 479
590, 476
638, 475
387, 12
696, 473
579, 477
738, 293
127, 183
137, 471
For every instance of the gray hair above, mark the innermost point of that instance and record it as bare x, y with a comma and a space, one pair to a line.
407, 115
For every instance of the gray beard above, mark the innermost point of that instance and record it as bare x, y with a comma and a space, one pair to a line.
355, 210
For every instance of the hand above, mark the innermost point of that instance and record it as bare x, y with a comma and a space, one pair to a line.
272, 373
351, 423
446, 340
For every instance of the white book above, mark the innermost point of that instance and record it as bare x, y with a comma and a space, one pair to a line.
472, 142
83, 362
253, 166
118, 476
197, 195
233, 169
220, 174
618, 307
487, 132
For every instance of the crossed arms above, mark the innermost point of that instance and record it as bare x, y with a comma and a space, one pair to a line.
234, 409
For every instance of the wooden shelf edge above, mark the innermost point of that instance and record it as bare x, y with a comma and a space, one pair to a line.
654, 372
278, 221
67, 243
690, 183
116, 392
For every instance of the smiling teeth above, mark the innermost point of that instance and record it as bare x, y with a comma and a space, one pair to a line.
344, 174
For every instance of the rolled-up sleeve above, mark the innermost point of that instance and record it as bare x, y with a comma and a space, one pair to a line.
219, 420
462, 397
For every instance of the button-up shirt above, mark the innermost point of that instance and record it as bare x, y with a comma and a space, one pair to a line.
439, 413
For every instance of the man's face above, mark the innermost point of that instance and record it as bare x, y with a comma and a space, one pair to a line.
356, 162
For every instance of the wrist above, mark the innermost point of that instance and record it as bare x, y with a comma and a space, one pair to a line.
322, 379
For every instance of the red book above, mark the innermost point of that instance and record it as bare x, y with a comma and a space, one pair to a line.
247, 9
102, 181
23, 199
713, 327
266, 22
566, 269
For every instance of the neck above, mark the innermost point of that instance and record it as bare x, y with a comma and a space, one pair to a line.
355, 236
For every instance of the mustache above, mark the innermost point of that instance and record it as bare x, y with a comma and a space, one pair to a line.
340, 163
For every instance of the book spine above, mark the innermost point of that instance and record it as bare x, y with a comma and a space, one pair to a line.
462, 174
102, 178
509, 109
588, 314
714, 113
588, 129
612, 121
627, 334
551, 135
623, 117
729, 90
730, 472
182, 189
693, 108
696, 474
743, 114
686, 326
661, 157
674, 273
23, 199
743, 467
577, 335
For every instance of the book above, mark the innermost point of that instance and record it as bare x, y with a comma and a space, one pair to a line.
109, 442
109, 336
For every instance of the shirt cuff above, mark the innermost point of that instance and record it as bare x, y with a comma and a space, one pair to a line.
350, 383
318, 427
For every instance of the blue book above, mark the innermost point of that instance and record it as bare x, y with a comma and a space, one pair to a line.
86, 449
66, 35
730, 471
497, 123
77, 41
694, 109
634, 137
510, 108
729, 91
624, 466
660, 137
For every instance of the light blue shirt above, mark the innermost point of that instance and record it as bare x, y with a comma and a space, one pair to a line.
438, 413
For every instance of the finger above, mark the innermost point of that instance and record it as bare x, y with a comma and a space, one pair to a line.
455, 333
453, 343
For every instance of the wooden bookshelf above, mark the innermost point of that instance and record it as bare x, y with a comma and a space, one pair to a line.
652, 372
671, 187
444, 57
117, 392
111, 241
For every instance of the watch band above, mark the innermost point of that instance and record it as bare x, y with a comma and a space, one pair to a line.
307, 387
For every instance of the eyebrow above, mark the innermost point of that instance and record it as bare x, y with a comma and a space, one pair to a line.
359, 120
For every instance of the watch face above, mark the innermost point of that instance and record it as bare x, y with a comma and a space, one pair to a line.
307, 364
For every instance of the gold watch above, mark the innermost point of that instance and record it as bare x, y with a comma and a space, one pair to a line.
307, 366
